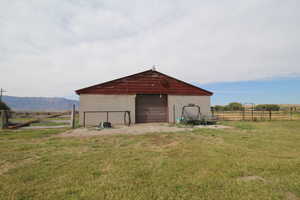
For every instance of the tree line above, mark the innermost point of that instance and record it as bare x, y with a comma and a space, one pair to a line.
235, 106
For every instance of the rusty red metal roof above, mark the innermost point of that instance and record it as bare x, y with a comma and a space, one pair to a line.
147, 82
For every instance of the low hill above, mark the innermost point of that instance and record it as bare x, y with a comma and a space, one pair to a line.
39, 103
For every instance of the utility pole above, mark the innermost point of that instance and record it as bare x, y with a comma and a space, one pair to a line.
1, 93
3, 113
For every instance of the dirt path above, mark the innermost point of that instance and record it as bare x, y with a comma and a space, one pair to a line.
136, 129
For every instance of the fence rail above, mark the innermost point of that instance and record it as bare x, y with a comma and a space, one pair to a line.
15, 120
256, 115
126, 114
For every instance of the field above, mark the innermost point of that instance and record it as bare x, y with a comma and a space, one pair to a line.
251, 160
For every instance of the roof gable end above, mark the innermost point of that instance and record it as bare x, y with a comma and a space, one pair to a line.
147, 82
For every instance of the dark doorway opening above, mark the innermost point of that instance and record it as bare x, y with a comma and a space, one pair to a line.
151, 108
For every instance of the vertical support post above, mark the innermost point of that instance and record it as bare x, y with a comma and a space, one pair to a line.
129, 115
106, 116
252, 112
83, 119
270, 115
174, 118
244, 113
73, 116
4, 120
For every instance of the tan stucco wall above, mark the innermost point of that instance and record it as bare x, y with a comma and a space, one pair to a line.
90, 102
180, 101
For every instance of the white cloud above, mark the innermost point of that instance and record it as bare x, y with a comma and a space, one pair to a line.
52, 47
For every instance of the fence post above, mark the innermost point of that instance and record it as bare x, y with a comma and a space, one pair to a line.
73, 116
252, 112
4, 119
270, 115
243, 114
174, 118
84, 119
129, 118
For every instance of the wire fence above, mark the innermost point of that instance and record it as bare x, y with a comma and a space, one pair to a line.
253, 115
13, 120
117, 117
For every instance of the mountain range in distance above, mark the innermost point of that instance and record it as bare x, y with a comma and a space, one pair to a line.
52, 104
39, 103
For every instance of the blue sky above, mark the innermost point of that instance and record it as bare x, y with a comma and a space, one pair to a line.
268, 91
275, 91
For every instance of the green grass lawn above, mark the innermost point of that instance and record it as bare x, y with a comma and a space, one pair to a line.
203, 164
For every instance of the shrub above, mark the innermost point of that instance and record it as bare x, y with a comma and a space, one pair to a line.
3, 106
230, 107
234, 106
267, 107
219, 108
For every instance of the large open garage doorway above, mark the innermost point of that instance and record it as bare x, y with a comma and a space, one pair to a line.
151, 108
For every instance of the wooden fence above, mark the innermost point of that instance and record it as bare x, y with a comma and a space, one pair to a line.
250, 115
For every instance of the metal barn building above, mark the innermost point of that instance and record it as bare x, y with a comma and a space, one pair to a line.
149, 96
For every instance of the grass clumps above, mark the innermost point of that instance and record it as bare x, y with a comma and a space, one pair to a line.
251, 161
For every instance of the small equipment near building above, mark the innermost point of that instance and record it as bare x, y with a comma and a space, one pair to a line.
191, 113
145, 97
